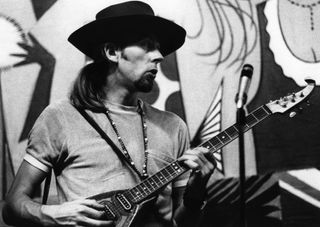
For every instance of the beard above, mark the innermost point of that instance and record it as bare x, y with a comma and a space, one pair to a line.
145, 83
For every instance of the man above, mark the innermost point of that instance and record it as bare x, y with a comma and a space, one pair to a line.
126, 42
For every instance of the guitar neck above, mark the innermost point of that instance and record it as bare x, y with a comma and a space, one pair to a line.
153, 183
231, 133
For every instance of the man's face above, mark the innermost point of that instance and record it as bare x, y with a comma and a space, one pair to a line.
138, 65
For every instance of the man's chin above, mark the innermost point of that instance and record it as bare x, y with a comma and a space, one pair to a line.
144, 87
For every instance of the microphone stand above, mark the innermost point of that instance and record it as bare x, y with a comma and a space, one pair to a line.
241, 121
241, 99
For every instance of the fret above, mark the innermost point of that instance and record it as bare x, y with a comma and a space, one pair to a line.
232, 131
223, 137
251, 119
171, 174
177, 167
161, 177
140, 190
156, 181
145, 188
246, 127
266, 110
170, 170
166, 174
137, 194
129, 194
216, 142
254, 117
260, 113
143, 193
174, 169
149, 185
207, 144
153, 182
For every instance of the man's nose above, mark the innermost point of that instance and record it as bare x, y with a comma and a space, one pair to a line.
155, 56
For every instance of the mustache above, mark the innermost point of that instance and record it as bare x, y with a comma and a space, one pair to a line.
151, 74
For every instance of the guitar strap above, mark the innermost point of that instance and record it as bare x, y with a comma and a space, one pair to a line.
46, 187
114, 147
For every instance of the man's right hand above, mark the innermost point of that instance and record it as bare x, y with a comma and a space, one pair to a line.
83, 212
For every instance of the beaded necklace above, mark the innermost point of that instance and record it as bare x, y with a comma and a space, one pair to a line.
144, 173
307, 6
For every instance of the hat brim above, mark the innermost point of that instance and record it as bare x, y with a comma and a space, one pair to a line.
123, 30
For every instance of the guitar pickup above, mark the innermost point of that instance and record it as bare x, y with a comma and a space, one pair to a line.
124, 202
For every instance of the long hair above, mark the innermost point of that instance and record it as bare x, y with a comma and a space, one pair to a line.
88, 88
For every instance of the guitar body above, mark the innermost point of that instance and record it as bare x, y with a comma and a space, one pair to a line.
123, 212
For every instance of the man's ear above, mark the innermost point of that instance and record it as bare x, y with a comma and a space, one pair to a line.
110, 52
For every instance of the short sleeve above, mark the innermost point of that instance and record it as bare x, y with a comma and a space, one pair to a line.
47, 139
184, 144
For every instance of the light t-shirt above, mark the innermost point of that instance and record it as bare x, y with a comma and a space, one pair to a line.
85, 165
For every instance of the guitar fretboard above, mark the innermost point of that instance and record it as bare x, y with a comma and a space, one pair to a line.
152, 184
231, 133
155, 182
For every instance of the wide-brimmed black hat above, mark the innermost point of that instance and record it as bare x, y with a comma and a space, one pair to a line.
127, 23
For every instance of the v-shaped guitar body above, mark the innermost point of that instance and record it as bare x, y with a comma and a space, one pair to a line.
123, 212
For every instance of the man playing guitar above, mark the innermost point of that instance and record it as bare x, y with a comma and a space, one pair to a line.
126, 43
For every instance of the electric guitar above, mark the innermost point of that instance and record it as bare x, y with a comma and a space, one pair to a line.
127, 207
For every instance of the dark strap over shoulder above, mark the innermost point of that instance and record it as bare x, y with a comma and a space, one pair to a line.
46, 188
114, 147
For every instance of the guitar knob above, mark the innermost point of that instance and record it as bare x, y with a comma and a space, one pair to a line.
292, 114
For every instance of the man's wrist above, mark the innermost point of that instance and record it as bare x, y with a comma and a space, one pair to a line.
46, 214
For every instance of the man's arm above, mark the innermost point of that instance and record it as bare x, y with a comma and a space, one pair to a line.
20, 209
188, 201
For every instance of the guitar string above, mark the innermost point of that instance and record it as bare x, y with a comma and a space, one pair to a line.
140, 189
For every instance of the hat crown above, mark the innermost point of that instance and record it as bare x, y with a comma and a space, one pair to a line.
125, 9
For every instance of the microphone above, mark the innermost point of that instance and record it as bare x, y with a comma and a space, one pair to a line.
245, 79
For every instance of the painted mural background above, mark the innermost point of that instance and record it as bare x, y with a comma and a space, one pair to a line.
198, 82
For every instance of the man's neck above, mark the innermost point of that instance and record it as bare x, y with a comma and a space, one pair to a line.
116, 93
122, 99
